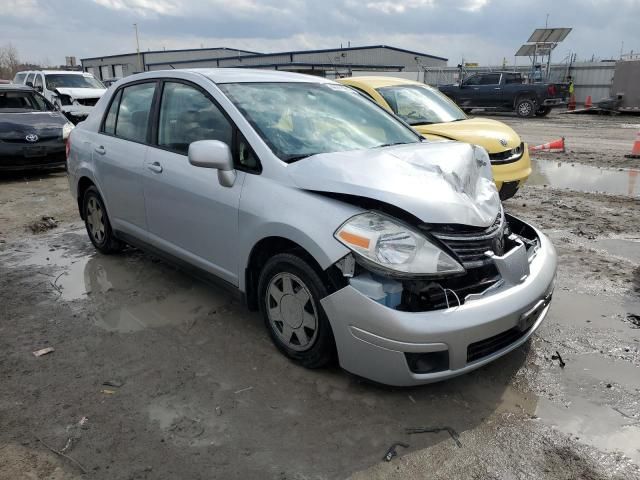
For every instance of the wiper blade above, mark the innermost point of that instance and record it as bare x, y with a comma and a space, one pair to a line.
390, 144
295, 158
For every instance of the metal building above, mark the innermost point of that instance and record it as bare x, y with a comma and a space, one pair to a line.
378, 59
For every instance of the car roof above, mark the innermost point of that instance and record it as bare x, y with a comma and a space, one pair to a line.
70, 72
247, 75
380, 81
14, 86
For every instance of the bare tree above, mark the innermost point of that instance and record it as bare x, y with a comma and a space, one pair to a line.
9, 62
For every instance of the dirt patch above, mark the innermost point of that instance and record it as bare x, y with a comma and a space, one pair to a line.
43, 224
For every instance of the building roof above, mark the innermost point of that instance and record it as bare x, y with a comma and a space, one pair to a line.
297, 52
172, 51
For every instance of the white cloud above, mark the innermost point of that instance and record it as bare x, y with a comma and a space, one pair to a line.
396, 7
142, 7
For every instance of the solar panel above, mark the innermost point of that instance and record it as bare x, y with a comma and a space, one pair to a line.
549, 35
531, 49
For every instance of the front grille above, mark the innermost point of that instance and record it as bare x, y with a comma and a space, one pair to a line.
508, 156
87, 102
486, 347
24, 140
469, 244
425, 295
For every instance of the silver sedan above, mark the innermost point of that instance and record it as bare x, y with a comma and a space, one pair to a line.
358, 241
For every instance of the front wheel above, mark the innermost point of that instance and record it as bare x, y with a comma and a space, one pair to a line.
525, 108
97, 223
289, 294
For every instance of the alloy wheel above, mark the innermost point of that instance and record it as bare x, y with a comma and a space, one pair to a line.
292, 312
95, 220
525, 109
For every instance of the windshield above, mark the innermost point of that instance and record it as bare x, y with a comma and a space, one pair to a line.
61, 80
19, 78
17, 101
418, 105
297, 120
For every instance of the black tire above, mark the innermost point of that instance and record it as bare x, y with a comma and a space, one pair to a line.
320, 350
543, 111
525, 108
102, 238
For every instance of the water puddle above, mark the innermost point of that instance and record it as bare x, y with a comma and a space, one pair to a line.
597, 387
584, 178
64, 269
180, 308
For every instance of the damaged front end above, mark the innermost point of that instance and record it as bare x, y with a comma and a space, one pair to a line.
75, 104
490, 258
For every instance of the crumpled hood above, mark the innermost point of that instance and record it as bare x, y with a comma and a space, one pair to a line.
14, 126
82, 92
443, 182
485, 132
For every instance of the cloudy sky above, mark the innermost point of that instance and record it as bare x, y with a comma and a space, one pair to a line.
479, 30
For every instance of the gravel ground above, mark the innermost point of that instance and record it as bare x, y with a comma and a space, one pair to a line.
155, 375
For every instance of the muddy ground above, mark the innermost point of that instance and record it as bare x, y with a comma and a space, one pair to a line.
155, 375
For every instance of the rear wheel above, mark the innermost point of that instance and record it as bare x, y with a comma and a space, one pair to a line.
289, 293
97, 223
525, 108
543, 111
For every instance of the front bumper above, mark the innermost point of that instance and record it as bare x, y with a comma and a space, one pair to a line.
372, 339
76, 113
509, 173
21, 156
554, 102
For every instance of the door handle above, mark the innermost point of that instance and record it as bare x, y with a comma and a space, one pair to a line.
101, 150
497, 88
155, 167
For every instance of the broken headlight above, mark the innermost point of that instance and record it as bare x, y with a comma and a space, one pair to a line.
391, 245
66, 130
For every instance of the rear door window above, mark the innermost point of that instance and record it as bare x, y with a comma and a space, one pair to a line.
29, 78
133, 113
490, 79
109, 126
188, 115
37, 81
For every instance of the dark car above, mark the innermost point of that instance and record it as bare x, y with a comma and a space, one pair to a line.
506, 91
33, 132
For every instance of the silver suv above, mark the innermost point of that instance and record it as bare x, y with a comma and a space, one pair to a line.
356, 239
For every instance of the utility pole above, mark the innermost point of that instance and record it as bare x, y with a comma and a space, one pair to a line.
546, 22
135, 26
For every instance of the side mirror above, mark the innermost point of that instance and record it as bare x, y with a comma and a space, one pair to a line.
39, 88
29, 84
214, 154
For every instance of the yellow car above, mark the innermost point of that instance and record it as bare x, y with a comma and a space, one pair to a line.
436, 117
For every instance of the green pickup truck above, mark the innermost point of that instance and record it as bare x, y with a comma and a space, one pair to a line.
506, 91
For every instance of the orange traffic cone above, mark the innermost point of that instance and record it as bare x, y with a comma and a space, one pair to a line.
588, 103
555, 146
572, 102
635, 150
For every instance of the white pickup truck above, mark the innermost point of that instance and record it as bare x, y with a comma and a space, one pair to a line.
74, 93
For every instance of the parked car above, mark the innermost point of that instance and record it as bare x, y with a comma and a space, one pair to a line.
74, 93
32, 131
436, 117
353, 236
505, 91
